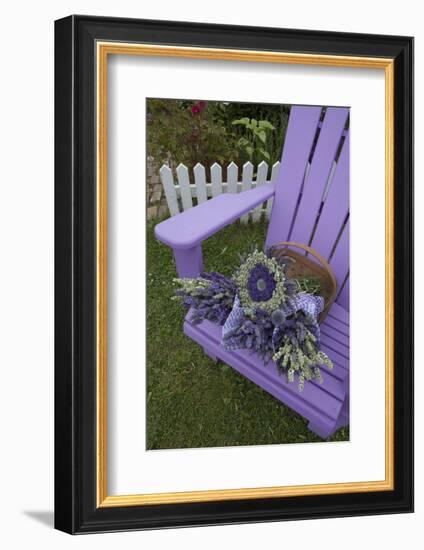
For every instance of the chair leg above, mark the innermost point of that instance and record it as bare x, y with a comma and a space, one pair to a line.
189, 262
343, 419
322, 431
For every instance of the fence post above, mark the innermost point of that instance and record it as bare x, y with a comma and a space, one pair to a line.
200, 182
184, 183
274, 175
216, 177
246, 184
260, 180
169, 188
232, 176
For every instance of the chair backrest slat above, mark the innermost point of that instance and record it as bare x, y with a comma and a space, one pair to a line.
301, 130
340, 258
335, 208
343, 297
322, 162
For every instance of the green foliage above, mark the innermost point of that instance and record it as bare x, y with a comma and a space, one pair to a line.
311, 285
187, 131
175, 132
274, 114
255, 145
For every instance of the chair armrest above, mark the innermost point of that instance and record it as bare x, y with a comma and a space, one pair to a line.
190, 228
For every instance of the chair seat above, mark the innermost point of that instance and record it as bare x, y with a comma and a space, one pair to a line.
324, 405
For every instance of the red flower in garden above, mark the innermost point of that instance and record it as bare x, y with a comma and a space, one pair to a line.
198, 107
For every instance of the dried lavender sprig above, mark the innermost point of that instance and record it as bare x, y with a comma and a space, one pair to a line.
304, 358
210, 296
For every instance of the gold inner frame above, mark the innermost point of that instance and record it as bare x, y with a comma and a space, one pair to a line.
104, 49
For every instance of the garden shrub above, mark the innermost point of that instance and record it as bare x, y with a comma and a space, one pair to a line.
188, 132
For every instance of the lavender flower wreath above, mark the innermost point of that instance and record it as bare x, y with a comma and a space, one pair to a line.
262, 310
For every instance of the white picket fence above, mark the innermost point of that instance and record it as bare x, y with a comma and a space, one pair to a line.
180, 194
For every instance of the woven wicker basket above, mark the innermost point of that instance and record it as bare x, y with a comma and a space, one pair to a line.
304, 266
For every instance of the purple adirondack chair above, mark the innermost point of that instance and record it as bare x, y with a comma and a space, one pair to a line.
311, 205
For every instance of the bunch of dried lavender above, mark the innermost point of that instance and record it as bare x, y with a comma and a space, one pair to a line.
297, 344
263, 311
252, 333
210, 296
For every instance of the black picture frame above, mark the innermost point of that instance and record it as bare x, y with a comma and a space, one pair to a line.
76, 510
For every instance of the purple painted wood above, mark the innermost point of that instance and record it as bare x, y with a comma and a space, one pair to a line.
337, 372
340, 264
344, 415
336, 335
327, 345
336, 325
185, 232
343, 298
189, 261
193, 226
332, 328
339, 313
336, 207
322, 405
328, 339
322, 162
301, 130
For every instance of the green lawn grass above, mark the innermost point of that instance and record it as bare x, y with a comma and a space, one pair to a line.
191, 400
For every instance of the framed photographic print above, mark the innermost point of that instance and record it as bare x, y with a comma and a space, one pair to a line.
234, 269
